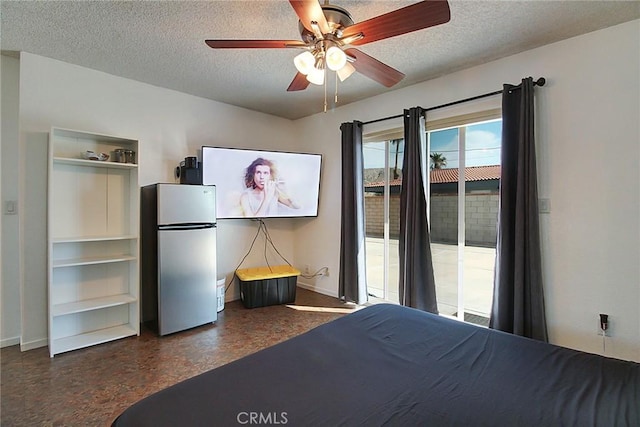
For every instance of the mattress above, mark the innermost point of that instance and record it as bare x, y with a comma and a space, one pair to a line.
397, 366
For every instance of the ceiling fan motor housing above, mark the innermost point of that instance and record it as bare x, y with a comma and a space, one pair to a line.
337, 18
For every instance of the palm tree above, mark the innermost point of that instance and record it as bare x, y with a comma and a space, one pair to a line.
396, 142
437, 160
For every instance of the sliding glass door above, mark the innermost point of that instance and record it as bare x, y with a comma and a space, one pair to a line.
463, 203
382, 180
463, 179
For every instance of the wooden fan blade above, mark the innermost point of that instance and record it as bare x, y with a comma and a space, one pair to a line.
374, 69
253, 44
308, 11
402, 21
299, 82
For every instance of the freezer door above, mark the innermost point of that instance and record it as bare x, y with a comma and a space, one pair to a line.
186, 279
186, 204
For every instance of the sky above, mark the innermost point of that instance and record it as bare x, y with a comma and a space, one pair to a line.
482, 147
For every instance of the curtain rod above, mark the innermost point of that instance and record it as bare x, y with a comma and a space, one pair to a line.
540, 82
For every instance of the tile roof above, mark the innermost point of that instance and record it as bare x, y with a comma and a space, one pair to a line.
443, 176
473, 173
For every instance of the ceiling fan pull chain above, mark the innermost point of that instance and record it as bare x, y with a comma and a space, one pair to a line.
335, 99
325, 90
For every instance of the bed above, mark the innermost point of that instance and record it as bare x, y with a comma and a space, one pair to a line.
396, 366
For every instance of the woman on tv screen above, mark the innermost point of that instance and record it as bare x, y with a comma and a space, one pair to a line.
263, 191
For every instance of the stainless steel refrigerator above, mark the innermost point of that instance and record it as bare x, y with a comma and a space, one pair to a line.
178, 256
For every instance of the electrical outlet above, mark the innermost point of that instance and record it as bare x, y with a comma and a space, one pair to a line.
307, 269
604, 325
326, 272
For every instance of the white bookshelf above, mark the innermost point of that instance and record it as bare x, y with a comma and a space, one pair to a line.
93, 228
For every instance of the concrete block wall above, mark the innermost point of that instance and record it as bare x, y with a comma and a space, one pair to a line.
374, 215
443, 220
481, 217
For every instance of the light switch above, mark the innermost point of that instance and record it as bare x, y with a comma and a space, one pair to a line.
544, 206
10, 207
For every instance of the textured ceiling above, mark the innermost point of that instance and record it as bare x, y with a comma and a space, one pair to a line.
162, 42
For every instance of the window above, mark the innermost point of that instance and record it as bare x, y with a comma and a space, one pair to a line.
463, 183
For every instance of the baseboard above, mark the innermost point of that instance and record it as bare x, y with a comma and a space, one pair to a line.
26, 346
317, 289
8, 342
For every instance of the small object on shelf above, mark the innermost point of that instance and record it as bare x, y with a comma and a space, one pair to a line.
92, 155
122, 155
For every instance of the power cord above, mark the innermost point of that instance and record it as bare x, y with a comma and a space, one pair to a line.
320, 273
262, 227
243, 258
323, 271
267, 238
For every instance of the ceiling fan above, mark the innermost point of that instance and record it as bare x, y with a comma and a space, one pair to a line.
328, 35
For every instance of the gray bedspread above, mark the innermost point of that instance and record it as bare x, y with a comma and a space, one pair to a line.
395, 366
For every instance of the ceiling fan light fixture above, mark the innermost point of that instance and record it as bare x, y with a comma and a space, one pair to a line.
345, 72
316, 76
304, 62
336, 58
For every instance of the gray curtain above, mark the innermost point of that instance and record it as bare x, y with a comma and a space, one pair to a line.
417, 285
518, 301
352, 283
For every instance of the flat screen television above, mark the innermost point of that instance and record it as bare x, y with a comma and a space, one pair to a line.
262, 184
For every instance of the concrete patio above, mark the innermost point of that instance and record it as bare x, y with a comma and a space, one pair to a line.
477, 275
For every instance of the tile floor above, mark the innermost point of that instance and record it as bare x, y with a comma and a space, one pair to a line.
90, 387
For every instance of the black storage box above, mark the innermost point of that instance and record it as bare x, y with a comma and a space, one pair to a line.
263, 286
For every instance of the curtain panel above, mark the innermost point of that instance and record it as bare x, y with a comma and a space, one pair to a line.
518, 300
416, 283
352, 282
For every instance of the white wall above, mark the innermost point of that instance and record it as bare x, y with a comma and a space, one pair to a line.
169, 125
588, 156
10, 289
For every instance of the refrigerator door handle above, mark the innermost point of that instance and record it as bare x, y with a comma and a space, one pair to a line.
189, 226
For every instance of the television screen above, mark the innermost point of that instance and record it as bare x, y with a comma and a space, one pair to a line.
262, 184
